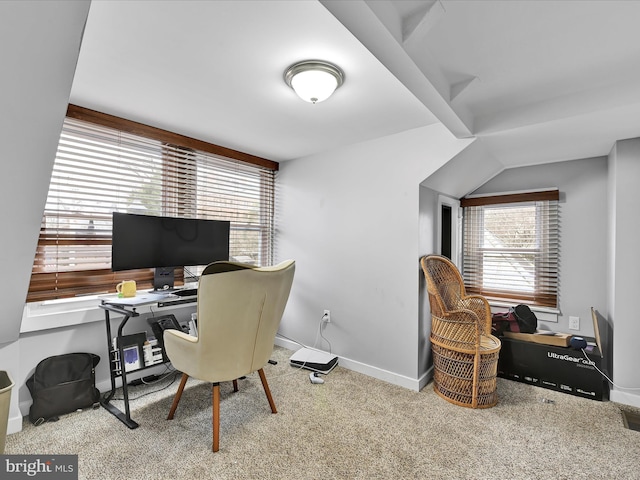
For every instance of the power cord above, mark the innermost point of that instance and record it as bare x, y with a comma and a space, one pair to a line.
290, 339
592, 363
164, 376
323, 322
299, 367
190, 274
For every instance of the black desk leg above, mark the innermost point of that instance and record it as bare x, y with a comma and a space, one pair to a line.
105, 401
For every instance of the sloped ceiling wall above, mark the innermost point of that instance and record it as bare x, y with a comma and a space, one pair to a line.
465, 172
40, 46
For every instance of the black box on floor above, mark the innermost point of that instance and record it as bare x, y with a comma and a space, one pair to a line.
557, 368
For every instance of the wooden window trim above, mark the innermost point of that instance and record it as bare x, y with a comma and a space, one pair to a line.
129, 126
510, 198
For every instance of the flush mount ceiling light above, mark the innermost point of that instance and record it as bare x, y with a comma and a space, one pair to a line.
313, 80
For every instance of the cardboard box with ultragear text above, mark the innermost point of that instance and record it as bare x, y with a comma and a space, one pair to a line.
556, 368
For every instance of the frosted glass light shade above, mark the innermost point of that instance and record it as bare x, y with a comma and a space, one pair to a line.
314, 85
313, 80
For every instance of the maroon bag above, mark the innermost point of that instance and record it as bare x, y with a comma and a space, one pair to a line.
518, 319
504, 322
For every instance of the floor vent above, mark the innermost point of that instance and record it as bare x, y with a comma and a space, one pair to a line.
631, 421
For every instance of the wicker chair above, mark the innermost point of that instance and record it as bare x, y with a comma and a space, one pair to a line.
465, 354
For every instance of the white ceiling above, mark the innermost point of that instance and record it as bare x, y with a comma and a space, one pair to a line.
534, 81
213, 70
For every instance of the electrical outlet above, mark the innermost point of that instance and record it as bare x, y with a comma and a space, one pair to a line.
327, 316
574, 323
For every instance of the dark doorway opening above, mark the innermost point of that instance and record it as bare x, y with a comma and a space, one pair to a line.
445, 231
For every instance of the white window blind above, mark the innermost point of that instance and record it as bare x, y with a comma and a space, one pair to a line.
99, 169
510, 247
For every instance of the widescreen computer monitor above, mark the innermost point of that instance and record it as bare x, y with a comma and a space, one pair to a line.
149, 241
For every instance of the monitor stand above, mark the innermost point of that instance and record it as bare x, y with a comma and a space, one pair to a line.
163, 279
164, 291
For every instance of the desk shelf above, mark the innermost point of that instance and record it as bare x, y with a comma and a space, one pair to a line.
118, 373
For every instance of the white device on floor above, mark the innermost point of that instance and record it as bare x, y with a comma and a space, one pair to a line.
313, 359
313, 376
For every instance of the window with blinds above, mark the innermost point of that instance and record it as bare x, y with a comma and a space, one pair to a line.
510, 247
100, 168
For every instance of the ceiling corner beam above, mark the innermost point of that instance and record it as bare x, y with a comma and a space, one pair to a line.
422, 21
364, 24
457, 88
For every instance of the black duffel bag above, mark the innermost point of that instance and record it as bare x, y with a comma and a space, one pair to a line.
526, 319
63, 384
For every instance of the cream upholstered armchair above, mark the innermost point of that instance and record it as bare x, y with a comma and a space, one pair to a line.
465, 354
239, 311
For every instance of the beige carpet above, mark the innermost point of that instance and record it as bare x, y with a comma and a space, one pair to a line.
352, 427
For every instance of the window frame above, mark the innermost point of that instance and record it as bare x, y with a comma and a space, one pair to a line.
546, 255
52, 285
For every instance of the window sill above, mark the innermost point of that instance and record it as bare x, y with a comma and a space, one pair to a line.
66, 312
543, 314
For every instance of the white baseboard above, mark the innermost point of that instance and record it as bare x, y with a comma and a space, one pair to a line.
14, 424
385, 375
426, 378
630, 399
371, 371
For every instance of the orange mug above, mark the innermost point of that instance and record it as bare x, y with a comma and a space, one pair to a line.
126, 289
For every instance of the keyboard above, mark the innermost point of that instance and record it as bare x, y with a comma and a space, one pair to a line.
186, 292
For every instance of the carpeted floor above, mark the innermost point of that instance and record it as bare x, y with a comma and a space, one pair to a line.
351, 427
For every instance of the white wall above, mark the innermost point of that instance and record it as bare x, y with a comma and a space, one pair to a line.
624, 260
350, 219
583, 236
37, 71
34, 93
427, 245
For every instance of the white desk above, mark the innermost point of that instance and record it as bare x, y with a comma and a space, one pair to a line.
138, 300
